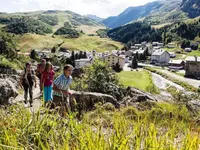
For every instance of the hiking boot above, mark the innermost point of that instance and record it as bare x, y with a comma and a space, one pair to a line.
31, 102
25, 101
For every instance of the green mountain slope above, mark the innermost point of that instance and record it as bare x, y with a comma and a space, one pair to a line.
192, 7
54, 18
142, 31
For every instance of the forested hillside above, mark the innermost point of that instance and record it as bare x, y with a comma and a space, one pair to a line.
28, 25
136, 32
141, 31
192, 7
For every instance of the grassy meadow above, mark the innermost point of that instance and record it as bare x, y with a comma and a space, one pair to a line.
157, 126
85, 42
138, 79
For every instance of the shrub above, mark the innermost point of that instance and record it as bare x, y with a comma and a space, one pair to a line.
99, 77
7, 45
68, 33
194, 46
51, 20
185, 44
28, 25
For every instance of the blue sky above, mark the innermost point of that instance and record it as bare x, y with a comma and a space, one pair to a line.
101, 8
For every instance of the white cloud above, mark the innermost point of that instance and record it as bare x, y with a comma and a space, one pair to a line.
102, 8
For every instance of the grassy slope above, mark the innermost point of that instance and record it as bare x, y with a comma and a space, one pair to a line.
33, 41
160, 126
137, 79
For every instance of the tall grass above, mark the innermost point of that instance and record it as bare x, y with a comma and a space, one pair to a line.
164, 127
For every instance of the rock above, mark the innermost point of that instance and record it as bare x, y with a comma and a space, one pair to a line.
8, 91
141, 96
126, 100
86, 100
194, 106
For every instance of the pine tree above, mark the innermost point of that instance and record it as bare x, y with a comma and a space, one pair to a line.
117, 68
134, 63
72, 59
85, 54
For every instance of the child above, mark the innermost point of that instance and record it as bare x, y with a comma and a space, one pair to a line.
39, 70
27, 80
47, 81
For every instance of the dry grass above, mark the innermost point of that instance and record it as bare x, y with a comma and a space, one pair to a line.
90, 29
160, 25
86, 43
34, 41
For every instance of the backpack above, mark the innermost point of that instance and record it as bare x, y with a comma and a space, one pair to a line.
29, 80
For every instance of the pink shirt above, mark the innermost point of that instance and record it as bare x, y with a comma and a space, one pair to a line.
47, 78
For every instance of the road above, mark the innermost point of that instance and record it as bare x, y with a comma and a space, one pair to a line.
36, 99
192, 82
163, 84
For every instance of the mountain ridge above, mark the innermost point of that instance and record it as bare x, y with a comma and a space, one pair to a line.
126, 16
157, 12
94, 17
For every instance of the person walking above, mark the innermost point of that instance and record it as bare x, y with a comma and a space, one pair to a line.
27, 80
61, 87
47, 81
39, 71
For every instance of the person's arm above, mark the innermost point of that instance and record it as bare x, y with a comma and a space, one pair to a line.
35, 81
42, 80
21, 80
56, 84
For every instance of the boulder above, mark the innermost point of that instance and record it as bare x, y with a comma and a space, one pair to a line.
7, 91
86, 100
134, 95
194, 106
140, 96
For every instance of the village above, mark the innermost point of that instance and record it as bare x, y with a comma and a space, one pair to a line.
146, 54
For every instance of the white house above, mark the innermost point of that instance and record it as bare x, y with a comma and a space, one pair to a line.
188, 49
63, 55
160, 57
80, 63
129, 53
138, 45
172, 54
43, 53
176, 64
171, 45
113, 59
160, 45
155, 43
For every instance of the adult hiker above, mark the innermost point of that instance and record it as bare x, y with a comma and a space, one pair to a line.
39, 70
47, 81
27, 80
61, 87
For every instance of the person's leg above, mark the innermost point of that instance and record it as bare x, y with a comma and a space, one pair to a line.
57, 104
25, 93
40, 76
31, 95
50, 93
45, 94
